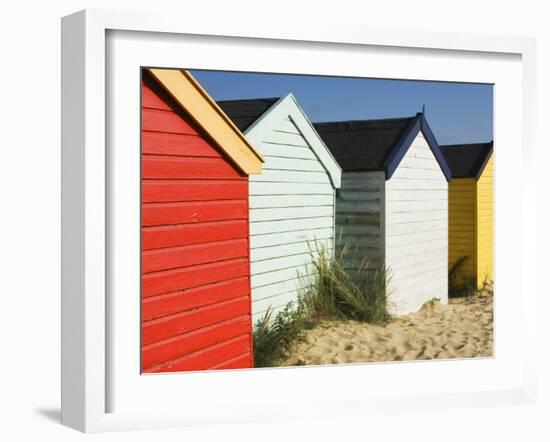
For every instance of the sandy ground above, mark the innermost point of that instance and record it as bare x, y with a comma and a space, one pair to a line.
461, 329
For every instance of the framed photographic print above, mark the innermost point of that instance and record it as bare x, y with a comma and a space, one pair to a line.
270, 223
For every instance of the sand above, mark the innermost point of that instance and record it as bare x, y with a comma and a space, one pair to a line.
461, 329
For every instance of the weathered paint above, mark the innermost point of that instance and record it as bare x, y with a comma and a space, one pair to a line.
416, 223
196, 304
359, 220
485, 222
291, 204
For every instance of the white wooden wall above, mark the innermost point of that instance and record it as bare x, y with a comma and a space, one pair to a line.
416, 220
291, 202
358, 217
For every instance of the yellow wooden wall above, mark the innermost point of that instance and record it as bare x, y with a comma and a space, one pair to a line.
485, 222
462, 229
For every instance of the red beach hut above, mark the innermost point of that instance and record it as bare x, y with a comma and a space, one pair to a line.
195, 288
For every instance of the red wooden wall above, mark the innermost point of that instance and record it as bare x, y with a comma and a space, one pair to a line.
196, 312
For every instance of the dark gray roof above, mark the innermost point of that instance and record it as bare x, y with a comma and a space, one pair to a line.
245, 112
364, 144
467, 160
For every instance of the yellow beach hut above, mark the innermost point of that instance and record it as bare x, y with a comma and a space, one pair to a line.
471, 209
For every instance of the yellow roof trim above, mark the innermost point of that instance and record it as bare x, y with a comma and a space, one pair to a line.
210, 117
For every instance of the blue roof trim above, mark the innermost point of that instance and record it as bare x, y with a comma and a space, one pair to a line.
434, 146
394, 158
418, 124
485, 161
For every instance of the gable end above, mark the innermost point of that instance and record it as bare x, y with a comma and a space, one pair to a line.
185, 90
418, 124
287, 106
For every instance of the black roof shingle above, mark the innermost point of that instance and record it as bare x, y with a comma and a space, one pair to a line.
245, 112
357, 145
467, 160
364, 144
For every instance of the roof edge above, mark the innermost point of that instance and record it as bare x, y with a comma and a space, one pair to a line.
259, 120
485, 160
419, 123
399, 150
434, 146
317, 144
288, 105
190, 95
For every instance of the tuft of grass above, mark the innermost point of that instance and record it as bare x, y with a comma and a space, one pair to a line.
343, 286
459, 284
346, 286
274, 335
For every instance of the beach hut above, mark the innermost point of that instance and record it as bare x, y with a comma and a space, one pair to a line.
471, 209
291, 202
392, 207
195, 264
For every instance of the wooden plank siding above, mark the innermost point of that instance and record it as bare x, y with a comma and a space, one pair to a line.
485, 222
196, 301
291, 205
462, 224
359, 227
416, 229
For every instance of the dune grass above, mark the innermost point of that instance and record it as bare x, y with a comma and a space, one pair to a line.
460, 284
344, 286
347, 286
274, 335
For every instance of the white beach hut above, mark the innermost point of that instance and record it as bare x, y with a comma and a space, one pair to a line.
393, 203
291, 202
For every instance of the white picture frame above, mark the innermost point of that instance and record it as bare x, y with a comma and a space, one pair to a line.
91, 321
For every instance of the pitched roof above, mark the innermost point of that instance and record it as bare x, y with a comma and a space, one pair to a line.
256, 117
467, 160
369, 145
245, 112
364, 144
192, 98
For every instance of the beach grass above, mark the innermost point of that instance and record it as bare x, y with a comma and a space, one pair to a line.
342, 288
345, 287
460, 284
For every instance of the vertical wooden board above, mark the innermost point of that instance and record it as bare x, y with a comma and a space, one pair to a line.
416, 207
196, 310
485, 223
291, 206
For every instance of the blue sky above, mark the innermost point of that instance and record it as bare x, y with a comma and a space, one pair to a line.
456, 112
